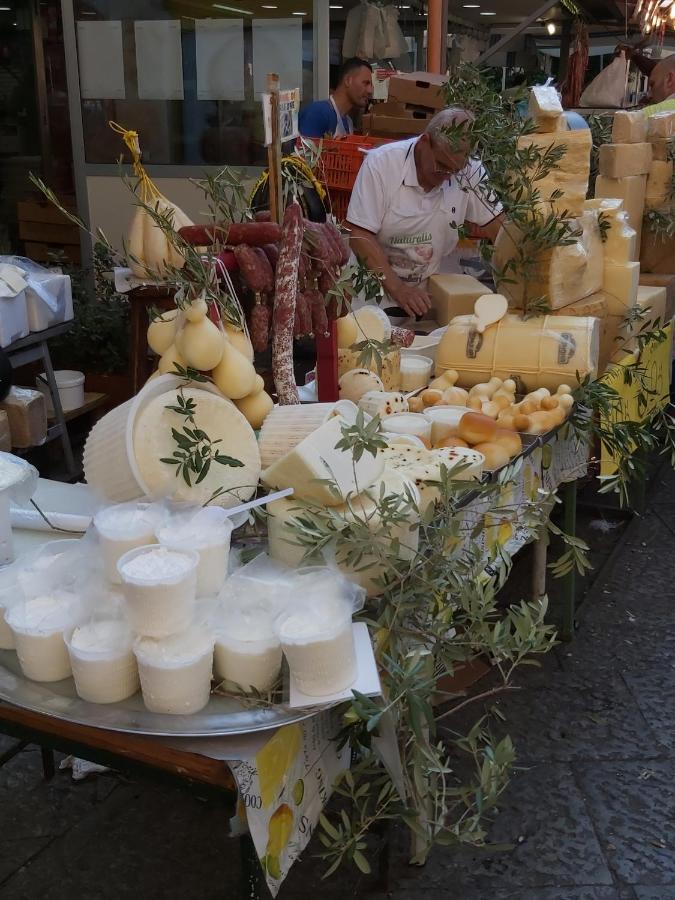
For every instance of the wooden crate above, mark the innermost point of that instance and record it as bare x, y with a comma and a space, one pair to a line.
45, 230
43, 253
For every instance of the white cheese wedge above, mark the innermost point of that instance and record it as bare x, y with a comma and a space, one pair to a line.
424, 466
383, 403
454, 295
544, 102
620, 283
659, 183
283, 543
661, 126
316, 460
629, 126
631, 190
620, 160
286, 426
220, 420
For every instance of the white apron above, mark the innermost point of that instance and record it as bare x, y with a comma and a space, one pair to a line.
340, 130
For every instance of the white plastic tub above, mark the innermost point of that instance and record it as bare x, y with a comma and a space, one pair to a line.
70, 384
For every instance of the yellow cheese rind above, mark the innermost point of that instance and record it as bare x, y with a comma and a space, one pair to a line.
595, 305
661, 126
659, 183
620, 240
629, 126
390, 374
632, 191
622, 160
620, 283
571, 178
453, 295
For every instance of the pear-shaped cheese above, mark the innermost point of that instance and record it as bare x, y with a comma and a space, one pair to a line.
152, 250
162, 332
256, 408
234, 375
196, 311
135, 243
201, 343
239, 340
169, 359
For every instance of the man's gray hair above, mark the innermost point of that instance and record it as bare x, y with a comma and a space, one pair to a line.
451, 115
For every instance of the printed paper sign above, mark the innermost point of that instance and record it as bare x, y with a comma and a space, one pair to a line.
289, 107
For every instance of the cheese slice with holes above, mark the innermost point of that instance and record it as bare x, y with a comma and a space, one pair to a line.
221, 421
320, 472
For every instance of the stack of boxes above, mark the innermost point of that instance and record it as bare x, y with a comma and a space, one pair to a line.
413, 99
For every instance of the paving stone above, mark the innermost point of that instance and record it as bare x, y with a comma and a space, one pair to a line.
145, 842
653, 892
16, 853
654, 693
632, 805
600, 648
34, 808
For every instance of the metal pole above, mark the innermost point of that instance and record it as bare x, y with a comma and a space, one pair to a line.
435, 34
274, 151
507, 38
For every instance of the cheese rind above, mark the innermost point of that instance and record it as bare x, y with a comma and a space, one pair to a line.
571, 177
632, 191
594, 305
622, 160
454, 295
659, 183
544, 102
629, 126
620, 283
661, 126
317, 459
391, 366
619, 240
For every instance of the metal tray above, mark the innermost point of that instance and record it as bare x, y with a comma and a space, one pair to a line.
222, 716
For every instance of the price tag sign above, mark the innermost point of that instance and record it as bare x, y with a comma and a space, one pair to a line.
289, 107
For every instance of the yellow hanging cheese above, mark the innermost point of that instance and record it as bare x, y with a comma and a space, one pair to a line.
162, 332
234, 375
201, 343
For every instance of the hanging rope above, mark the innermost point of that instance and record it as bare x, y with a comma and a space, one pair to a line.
147, 190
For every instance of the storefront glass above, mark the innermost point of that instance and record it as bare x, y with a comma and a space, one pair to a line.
187, 75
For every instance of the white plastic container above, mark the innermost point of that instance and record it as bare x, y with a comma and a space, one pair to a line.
444, 421
70, 384
122, 528
49, 299
13, 318
176, 672
408, 423
415, 372
38, 626
109, 460
10, 593
103, 664
247, 652
424, 345
209, 535
159, 587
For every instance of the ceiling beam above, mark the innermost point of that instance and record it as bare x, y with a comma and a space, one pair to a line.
507, 38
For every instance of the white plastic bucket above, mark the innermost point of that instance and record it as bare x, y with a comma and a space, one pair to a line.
70, 385
109, 460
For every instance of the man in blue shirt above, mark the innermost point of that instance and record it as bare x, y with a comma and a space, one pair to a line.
331, 117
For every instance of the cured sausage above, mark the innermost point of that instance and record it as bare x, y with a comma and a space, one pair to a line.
318, 309
271, 251
263, 215
255, 234
255, 268
319, 247
302, 324
285, 289
260, 327
403, 337
340, 241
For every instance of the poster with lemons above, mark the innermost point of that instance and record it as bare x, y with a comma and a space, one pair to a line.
284, 788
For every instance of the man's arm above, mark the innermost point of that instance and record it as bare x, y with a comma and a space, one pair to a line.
365, 245
491, 230
314, 120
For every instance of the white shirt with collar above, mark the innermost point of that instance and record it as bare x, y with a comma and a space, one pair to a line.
417, 228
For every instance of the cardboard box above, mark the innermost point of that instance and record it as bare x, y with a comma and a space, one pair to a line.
393, 126
398, 109
419, 89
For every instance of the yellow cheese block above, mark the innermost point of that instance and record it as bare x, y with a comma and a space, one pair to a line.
571, 178
659, 183
349, 359
660, 149
661, 126
618, 336
631, 190
620, 282
652, 299
595, 305
544, 102
621, 160
454, 295
543, 352
620, 240
629, 126
563, 275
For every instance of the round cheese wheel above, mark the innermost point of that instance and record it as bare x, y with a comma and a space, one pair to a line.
357, 382
347, 332
220, 420
372, 323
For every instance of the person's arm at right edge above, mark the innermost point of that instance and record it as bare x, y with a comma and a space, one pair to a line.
365, 245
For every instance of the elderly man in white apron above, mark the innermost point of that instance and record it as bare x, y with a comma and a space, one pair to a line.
409, 199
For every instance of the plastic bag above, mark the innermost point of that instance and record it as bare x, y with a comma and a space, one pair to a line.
609, 87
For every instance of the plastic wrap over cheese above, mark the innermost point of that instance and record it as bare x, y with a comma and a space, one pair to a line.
544, 352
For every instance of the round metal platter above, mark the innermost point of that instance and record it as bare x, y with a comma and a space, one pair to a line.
222, 716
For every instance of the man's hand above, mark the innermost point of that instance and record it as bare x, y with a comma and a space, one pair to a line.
413, 300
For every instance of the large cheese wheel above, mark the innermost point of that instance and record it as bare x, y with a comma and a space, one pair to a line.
285, 426
391, 366
221, 420
285, 546
544, 352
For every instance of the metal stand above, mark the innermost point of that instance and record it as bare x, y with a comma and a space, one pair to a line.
35, 348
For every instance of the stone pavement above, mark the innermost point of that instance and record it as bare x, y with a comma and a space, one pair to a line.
589, 814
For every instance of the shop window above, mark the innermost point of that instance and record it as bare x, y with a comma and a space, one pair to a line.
187, 75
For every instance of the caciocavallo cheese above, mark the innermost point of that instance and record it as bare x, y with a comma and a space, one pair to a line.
284, 545
629, 126
453, 295
621, 160
543, 352
563, 275
320, 472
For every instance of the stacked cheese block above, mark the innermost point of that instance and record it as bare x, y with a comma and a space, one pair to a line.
657, 254
189, 338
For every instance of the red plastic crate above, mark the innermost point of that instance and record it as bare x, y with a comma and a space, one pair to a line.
341, 159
